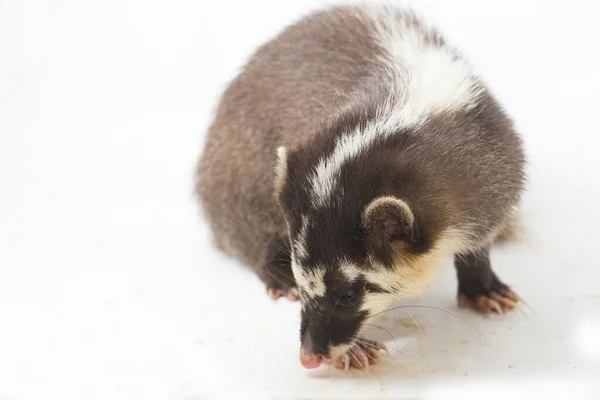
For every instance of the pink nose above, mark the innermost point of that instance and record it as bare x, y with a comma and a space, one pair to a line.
309, 360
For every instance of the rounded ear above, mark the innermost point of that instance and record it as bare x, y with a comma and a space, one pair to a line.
387, 221
280, 169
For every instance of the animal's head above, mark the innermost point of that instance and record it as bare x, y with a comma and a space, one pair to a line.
357, 246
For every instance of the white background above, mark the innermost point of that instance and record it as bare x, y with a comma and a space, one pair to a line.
110, 287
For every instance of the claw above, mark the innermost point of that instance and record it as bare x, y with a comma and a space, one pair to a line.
504, 302
496, 307
383, 347
365, 360
486, 304
361, 356
511, 295
500, 302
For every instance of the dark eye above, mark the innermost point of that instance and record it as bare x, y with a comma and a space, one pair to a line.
349, 296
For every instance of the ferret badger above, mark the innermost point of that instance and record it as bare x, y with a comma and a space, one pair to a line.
352, 154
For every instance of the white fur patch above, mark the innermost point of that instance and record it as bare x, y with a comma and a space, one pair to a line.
409, 279
339, 350
385, 278
425, 79
296, 269
455, 241
299, 246
281, 168
310, 281
349, 270
428, 77
375, 303
326, 173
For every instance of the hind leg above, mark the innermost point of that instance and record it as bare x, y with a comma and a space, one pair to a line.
276, 271
478, 285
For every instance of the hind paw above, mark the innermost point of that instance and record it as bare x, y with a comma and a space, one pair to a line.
276, 294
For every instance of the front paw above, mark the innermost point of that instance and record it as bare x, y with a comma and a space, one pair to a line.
499, 300
360, 356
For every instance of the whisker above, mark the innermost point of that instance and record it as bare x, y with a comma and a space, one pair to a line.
256, 231
403, 352
332, 310
364, 362
279, 279
263, 212
420, 331
527, 306
287, 260
371, 345
444, 311
385, 330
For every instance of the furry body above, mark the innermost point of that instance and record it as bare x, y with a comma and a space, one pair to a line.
392, 155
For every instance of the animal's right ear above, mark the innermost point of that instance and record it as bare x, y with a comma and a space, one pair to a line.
389, 224
281, 170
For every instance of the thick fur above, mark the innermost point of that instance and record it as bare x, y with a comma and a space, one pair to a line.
346, 109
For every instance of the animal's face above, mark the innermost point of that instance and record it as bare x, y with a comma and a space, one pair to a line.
351, 259
342, 280
337, 300
332, 311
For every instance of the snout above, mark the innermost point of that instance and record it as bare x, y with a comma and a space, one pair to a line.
310, 360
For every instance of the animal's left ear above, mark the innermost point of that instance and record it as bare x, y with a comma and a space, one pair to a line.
281, 169
389, 222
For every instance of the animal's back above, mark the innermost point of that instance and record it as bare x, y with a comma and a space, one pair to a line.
287, 89
329, 62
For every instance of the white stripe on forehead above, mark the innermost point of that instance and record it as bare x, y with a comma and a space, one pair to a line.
310, 281
425, 79
326, 173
